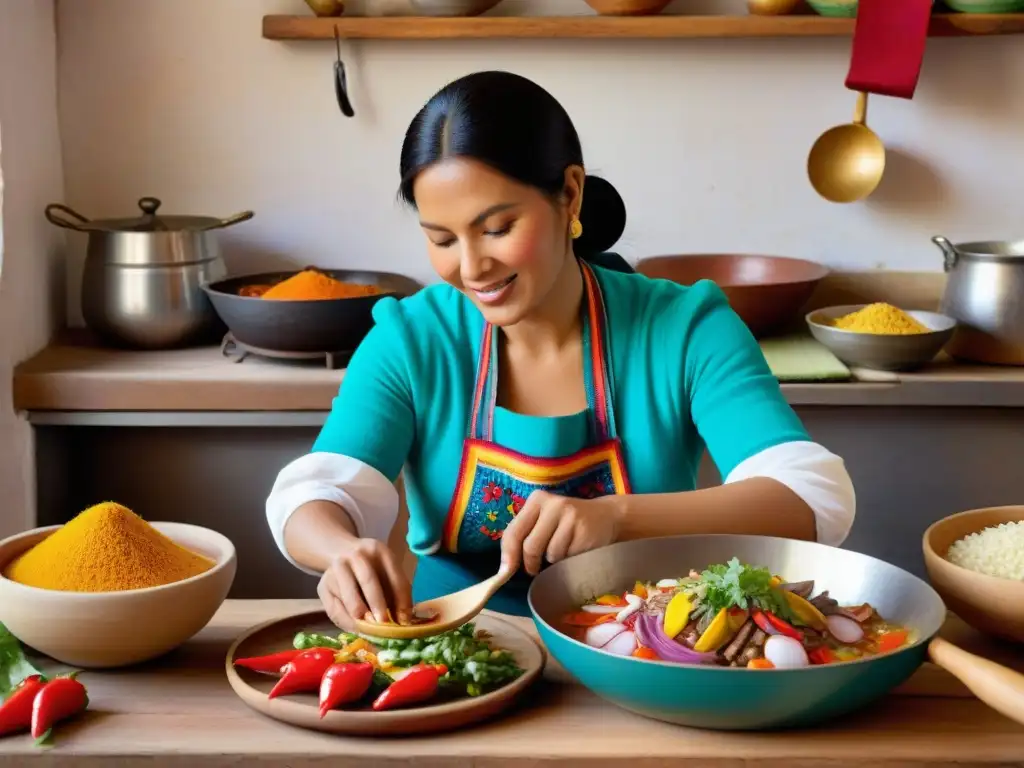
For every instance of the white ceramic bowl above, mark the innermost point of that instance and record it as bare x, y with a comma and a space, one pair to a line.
114, 629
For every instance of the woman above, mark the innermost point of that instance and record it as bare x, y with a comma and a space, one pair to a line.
543, 399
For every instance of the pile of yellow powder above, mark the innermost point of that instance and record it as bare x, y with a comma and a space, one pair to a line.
880, 318
106, 548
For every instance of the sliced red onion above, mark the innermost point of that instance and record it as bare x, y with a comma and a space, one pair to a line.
622, 644
844, 629
600, 635
650, 633
626, 612
598, 608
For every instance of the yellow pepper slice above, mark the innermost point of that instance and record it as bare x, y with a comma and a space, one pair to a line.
805, 611
677, 614
737, 618
776, 581
717, 633
640, 590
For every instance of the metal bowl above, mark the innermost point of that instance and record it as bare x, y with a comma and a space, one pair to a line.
881, 351
767, 292
736, 698
322, 325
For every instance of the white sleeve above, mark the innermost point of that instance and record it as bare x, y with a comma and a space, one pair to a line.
816, 475
366, 495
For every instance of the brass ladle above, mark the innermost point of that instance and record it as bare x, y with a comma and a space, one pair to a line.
846, 163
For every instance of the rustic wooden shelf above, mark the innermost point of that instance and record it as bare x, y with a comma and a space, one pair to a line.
636, 27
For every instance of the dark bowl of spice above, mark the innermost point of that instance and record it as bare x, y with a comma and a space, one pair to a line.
129, 589
310, 311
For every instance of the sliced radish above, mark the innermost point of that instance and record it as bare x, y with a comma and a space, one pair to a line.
667, 583
844, 629
599, 636
622, 645
598, 608
785, 652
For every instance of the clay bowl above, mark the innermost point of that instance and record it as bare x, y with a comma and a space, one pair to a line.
113, 629
990, 604
767, 292
628, 7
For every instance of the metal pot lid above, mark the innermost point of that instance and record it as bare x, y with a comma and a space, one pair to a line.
149, 221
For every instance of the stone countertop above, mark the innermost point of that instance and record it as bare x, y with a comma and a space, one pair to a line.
79, 376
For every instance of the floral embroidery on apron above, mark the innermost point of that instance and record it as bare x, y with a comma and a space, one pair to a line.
494, 482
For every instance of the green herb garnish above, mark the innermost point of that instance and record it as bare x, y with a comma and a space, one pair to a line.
738, 584
473, 668
14, 665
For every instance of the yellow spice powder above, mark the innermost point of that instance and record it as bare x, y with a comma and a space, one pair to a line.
106, 548
880, 318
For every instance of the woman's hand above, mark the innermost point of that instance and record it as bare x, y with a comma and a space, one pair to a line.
366, 577
557, 527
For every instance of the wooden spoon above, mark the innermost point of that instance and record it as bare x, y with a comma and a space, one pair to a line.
451, 611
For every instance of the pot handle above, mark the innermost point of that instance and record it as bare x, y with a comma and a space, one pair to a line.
238, 218
75, 220
949, 253
1000, 687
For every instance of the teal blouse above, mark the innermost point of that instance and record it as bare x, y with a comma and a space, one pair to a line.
687, 375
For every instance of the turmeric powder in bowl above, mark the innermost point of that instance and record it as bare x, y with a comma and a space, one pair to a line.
311, 285
880, 318
106, 548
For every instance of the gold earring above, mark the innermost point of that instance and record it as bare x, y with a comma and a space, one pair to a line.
575, 228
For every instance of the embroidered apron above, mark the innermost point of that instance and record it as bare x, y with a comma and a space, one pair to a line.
494, 482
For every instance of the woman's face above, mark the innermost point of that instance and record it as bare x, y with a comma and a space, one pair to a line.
501, 243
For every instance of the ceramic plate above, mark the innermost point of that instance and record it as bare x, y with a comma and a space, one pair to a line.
301, 710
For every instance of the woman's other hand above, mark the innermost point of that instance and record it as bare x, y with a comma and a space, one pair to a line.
556, 527
365, 578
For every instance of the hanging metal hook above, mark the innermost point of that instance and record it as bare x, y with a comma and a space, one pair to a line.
340, 80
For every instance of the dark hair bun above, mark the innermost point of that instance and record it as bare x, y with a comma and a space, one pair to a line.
603, 217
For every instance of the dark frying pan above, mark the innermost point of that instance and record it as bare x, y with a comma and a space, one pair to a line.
735, 698
767, 292
324, 325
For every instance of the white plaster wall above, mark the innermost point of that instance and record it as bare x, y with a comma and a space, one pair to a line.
31, 259
706, 139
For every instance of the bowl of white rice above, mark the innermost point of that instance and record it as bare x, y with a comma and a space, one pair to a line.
975, 561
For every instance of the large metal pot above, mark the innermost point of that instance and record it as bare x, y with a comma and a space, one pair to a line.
143, 278
985, 294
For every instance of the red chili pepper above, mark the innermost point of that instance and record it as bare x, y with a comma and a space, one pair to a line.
771, 624
57, 700
303, 673
16, 711
272, 664
344, 683
822, 655
418, 685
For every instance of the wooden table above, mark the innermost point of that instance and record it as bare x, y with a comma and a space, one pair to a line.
181, 712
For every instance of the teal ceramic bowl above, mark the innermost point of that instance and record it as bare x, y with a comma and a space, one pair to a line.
724, 698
